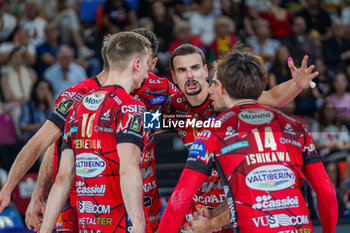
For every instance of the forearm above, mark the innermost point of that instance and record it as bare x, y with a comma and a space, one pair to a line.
45, 174
180, 200
30, 153
131, 186
325, 193
56, 201
280, 95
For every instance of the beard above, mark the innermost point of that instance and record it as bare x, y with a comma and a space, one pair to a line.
194, 91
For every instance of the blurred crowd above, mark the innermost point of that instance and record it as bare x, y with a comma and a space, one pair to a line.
47, 46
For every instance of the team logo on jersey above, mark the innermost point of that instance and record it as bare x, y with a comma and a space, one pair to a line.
288, 129
198, 149
65, 105
136, 122
69, 133
91, 208
94, 100
266, 202
89, 165
83, 190
106, 115
155, 81
152, 120
274, 221
157, 100
256, 116
234, 146
270, 178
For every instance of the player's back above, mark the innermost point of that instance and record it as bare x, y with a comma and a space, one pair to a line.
258, 152
100, 120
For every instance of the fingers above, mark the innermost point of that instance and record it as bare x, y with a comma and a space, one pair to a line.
291, 64
304, 62
314, 75
3, 205
310, 69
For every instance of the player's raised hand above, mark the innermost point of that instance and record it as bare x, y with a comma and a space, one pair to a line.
35, 210
5, 199
302, 76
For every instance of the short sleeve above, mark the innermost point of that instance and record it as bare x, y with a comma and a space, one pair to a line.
202, 152
64, 103
130, 124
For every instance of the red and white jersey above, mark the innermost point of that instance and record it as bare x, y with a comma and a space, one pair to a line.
259, 153
211, 194
100, 121
153, 93
64, 103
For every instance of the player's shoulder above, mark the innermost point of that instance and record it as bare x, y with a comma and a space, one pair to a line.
157, 82
178, 98
83, 87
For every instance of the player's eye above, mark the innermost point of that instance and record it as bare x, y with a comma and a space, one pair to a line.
196, 67
180, 70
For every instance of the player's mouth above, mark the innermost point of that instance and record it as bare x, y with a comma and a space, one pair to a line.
192, 84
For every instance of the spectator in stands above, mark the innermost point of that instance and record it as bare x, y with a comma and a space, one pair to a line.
279, 19
34, 113
19, 38
68, 23
317, 19
8, 23
117, 16
235, 11
202, 22
16, 8
182, 32
279, 71
262, 44
300, 43
47, 52
336, 50
33, 23
340, 97
328, 133
163, 25
305, 103
17, 82
64, 73
225, 38
254, 8
323, 80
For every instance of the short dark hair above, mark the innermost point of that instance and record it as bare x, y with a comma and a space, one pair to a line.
151, 37
124, 46
105, 44
242, 74
185, 49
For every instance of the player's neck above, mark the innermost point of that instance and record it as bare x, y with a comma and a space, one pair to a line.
120, 78
102, 77
197, 100
229, 102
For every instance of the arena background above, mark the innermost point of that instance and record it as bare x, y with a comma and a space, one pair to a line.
32, 33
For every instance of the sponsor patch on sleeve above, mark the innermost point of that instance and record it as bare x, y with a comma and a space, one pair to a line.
198, 149
65, 105
136, 122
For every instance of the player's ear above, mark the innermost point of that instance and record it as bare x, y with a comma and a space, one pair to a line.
136, 64
173, 76
206, 71
154, 63
223, 90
